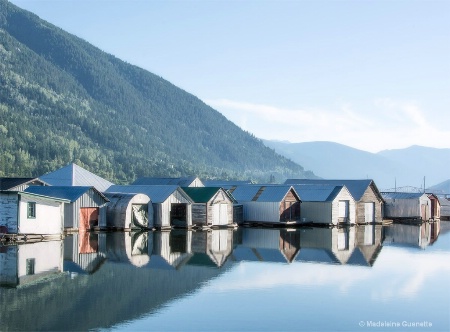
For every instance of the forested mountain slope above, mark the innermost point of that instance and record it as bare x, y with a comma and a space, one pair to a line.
63, 100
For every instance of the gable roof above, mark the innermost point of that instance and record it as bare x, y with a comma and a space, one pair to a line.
71, 193
157, 194
9, 183
201, 194
318, 192
181, 181
355, 187
74, 175
261, 193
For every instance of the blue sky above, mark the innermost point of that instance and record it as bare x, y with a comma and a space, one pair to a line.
373, 75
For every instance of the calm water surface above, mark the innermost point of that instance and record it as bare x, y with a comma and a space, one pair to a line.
362, 278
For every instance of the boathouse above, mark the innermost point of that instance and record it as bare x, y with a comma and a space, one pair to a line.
368, 199
28, 213
187, 181
171, 205
129, 211
401, 205
326, 204
445, 208
435, 208
86, 208
276, 204
211, 206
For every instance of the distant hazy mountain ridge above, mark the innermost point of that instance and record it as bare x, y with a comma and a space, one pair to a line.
402, 167
63, 100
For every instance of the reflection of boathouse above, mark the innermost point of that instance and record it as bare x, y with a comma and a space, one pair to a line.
27, 263
211, 248
419, 236
132, 248
368, 245
268, 245
84, 252
176, 248
327, 245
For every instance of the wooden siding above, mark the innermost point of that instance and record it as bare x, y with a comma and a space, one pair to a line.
9, 213
238, 213
211, 213
369, 196
344, 195
290, 207
416, 208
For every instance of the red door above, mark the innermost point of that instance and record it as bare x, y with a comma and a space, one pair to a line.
88, 218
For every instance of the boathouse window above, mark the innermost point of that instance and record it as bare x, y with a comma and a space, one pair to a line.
31, 210
31, 262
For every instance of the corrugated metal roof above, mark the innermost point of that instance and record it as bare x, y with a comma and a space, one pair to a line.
71, 193
261, 193
74, 175
182, 181
27, 194
355, 187
400, 195
274, 193
245, 193
201, 194
157, 194
317, 192
8, 183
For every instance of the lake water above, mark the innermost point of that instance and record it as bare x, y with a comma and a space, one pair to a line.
361, 278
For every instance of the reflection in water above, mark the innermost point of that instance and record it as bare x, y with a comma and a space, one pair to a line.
97, 280
419, 236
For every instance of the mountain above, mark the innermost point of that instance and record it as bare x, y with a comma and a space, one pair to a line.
63, 100
441, 188
403, 167
418, 162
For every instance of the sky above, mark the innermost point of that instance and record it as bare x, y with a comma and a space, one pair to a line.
373, 75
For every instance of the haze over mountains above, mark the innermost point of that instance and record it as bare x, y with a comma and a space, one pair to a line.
63, 100
404, 167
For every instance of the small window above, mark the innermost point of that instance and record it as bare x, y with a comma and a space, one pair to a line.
30, 266
31, 210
